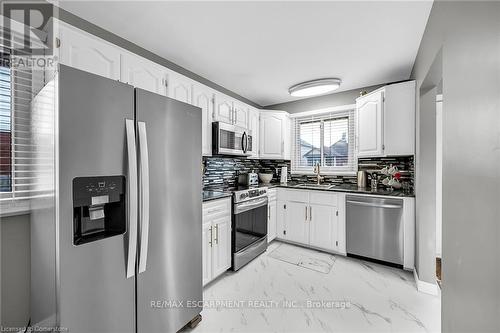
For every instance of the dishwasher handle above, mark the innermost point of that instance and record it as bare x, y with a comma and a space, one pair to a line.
368, 204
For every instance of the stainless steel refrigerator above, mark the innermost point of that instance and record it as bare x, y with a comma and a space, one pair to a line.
117, 248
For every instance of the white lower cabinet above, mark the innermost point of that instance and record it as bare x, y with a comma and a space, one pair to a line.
207, 252
296, 223
271, 215
311, 218
323, 226
216, 238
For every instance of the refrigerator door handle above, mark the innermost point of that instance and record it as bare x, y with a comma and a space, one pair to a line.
132, 197
143, 195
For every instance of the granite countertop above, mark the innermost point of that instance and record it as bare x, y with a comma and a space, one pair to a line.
213, 195
343, 188
350, 189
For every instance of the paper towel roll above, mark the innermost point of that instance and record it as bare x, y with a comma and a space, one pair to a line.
284, 175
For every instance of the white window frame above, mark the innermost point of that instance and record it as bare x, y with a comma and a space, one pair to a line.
336, 112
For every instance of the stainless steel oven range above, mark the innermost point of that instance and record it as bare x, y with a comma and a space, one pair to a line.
249, 225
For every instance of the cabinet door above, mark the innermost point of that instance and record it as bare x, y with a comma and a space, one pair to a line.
203, 97
271, 220
81, 50
207, 252
221, 245
180, 87
323, 226
296, 223
143, 74
223, 109
240, 114
272, 129
253, 123
369, 125
280, 219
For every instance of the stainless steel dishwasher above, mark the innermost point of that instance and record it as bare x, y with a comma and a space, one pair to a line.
374, 228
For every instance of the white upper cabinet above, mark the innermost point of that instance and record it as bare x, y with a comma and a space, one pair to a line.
369, 121
180, 87
253, 125
386, 121
144, 74
223, 109
399, 119
274, 135
203, 97
86, 52
231, 111
240, 114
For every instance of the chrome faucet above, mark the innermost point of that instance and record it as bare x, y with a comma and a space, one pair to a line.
317, 171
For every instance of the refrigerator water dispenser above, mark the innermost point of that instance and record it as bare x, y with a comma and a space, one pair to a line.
99, 209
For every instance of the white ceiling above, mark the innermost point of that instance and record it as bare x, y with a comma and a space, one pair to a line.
259, 49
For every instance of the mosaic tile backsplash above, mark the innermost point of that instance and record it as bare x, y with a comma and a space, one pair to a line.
221, 173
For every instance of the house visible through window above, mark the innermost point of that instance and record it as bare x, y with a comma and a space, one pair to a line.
327, 139
5, 130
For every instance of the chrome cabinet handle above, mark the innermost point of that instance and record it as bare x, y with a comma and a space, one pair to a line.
143, 195
216, 240
306, 213
310, 213
132, 197
211, 237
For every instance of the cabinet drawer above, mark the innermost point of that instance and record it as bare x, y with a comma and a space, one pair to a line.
323, 198
271, 194
216, 208
296, 195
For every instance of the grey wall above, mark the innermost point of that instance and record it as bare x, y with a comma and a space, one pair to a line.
320, 102
15, 270
469, 35
425, 261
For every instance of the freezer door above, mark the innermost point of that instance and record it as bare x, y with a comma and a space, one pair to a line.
170, 268
95, 294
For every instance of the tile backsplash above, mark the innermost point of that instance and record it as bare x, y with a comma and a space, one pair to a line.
221, 173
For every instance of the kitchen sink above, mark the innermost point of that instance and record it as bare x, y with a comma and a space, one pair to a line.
316, 186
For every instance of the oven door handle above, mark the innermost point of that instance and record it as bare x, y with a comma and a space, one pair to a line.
245, 206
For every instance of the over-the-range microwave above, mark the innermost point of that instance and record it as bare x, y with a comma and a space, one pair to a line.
230, 140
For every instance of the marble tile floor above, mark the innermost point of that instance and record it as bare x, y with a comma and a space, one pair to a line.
270, 295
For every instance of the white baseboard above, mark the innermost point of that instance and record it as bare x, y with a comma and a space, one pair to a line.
425, 287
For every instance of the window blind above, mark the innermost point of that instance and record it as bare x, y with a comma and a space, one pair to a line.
324, 138
27, 158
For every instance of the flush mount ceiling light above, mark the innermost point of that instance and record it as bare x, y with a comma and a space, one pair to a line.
314, 87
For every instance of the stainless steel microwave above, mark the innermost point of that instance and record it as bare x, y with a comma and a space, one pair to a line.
230, 140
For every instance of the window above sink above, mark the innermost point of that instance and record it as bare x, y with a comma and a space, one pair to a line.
325, 137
